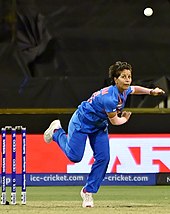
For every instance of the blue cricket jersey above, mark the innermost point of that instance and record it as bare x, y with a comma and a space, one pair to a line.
91, 115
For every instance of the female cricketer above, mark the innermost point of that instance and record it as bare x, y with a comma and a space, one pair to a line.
91, 120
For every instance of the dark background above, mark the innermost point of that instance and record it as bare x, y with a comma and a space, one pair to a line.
55, 53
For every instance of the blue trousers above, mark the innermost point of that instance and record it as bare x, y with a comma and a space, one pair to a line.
73, 146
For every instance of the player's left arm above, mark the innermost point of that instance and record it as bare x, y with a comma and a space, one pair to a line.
116, 120
143, 90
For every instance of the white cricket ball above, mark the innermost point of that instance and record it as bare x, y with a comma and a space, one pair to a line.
148, 11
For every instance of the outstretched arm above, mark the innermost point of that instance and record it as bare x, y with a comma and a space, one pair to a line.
142, 90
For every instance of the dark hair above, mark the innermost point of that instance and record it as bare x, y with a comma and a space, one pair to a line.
116, 69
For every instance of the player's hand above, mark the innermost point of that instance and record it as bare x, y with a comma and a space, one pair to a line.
126, 114
157, 91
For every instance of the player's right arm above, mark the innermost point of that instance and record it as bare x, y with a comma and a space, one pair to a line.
116, 120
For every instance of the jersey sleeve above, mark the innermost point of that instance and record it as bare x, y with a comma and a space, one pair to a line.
110, 104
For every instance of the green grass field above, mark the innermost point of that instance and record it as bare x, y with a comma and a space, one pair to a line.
109, 199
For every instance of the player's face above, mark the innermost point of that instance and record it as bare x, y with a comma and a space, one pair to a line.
124, 80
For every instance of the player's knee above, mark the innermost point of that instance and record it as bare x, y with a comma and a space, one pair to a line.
107, 159
74, 158
104, 159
